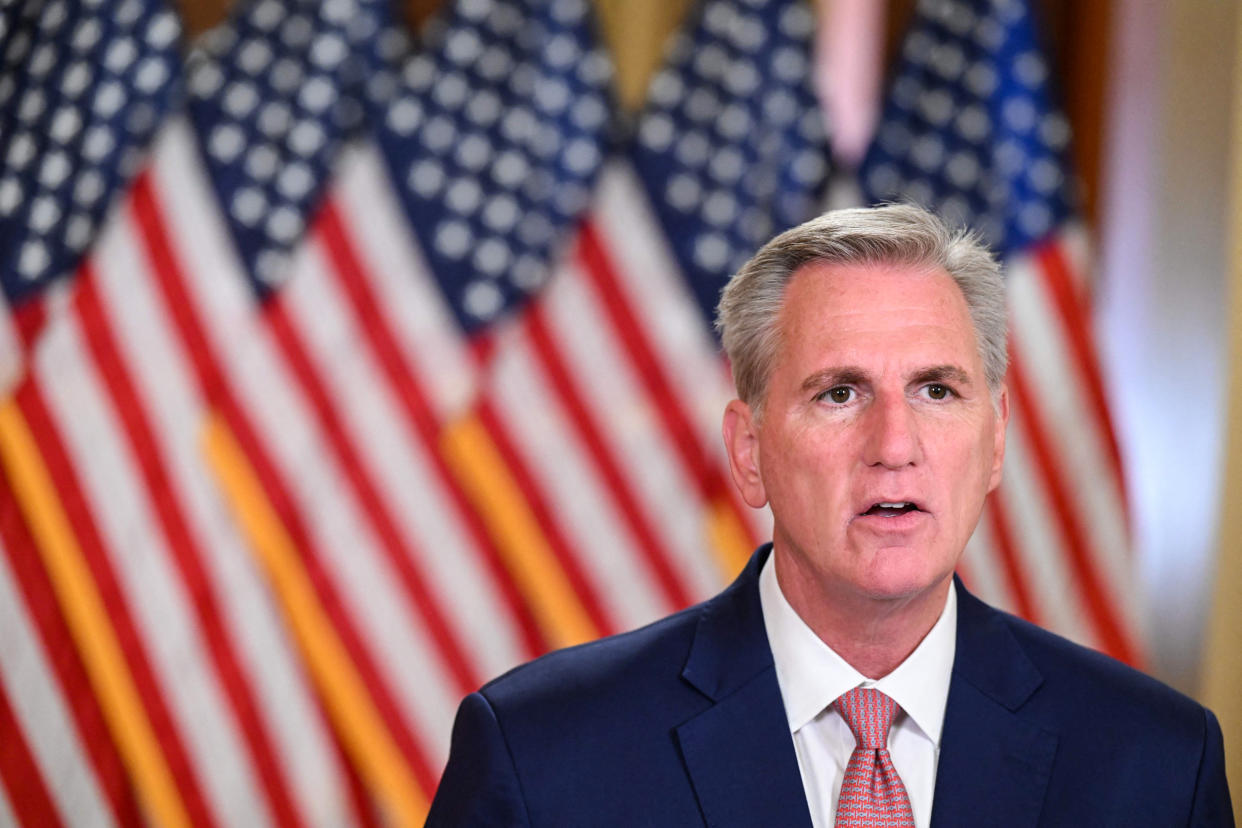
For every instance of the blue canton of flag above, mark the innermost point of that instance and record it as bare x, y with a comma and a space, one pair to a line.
731, 145
969, 130
494, 134
83, 86
274, 93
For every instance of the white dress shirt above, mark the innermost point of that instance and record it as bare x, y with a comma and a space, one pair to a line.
812, 676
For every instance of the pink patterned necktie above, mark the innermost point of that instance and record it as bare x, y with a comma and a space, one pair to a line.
871, 793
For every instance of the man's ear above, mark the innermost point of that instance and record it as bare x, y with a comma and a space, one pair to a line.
998, 450
741, 437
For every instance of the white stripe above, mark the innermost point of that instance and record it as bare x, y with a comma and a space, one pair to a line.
257, 633
672, 321
7, 815
447, 560
983, 567
631, 428
1039, 545
407, 294
543, 437
43, 716
349, 551
115, 492
1075, 435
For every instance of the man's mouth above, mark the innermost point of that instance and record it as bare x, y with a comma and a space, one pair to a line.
891, 508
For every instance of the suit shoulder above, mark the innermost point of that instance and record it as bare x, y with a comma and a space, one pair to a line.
607, 669
1095, 684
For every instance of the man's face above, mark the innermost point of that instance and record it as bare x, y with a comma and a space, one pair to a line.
878, 439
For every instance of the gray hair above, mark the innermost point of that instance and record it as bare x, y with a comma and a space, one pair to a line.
902, 234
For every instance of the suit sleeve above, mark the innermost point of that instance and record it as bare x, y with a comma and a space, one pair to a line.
480, 785
1212, 805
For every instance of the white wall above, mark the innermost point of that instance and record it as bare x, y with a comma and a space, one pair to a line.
1163, 300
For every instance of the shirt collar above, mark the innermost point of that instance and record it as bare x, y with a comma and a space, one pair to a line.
812, 675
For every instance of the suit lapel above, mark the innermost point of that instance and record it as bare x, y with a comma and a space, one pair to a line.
994, 762
739, 752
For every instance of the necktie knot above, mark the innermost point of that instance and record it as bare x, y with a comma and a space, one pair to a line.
870, 714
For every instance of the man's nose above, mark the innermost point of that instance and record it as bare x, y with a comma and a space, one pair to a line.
892, 437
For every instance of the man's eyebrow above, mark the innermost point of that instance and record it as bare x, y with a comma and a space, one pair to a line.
830, 377
942, 373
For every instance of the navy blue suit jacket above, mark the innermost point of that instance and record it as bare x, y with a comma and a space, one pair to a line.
681, 723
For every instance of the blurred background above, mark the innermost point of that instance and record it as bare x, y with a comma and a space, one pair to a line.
354, 352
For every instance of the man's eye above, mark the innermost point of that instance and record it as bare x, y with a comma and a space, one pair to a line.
938, 392
840, 394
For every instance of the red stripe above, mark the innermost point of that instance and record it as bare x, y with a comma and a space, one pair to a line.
181, 545
170, 278
656, 554
28, 319
63, 659
1113, 639
996, 513
402, 377
32, 804
538, 503
1076, 326
79, 513
606, 279
398, 550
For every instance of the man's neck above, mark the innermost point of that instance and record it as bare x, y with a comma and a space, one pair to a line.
873, 635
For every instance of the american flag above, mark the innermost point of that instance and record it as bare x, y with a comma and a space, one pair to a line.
385, 373
969, 129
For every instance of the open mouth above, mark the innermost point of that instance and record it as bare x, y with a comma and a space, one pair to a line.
891, 508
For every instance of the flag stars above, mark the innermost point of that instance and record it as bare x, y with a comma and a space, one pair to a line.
152, 74
33, 104
42, 61
76, 79
34, 260
10, 195
453, 239
683, 192
1020, 114
296, 32
54, 170
21, 151
240, 99
426, 178
492, 256
78, 232
163, 30
482, 300
248, 206
284, 224
501, 213
66, 124
255, 56
735, 122
44, 213
295, 181
120, 55
981, 79
98, 143
451, 91
464, 196
464, 47
484, 108
656, 132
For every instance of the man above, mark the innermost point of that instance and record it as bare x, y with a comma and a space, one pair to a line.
845, 677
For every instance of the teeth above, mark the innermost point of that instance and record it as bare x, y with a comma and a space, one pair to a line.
900, 505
